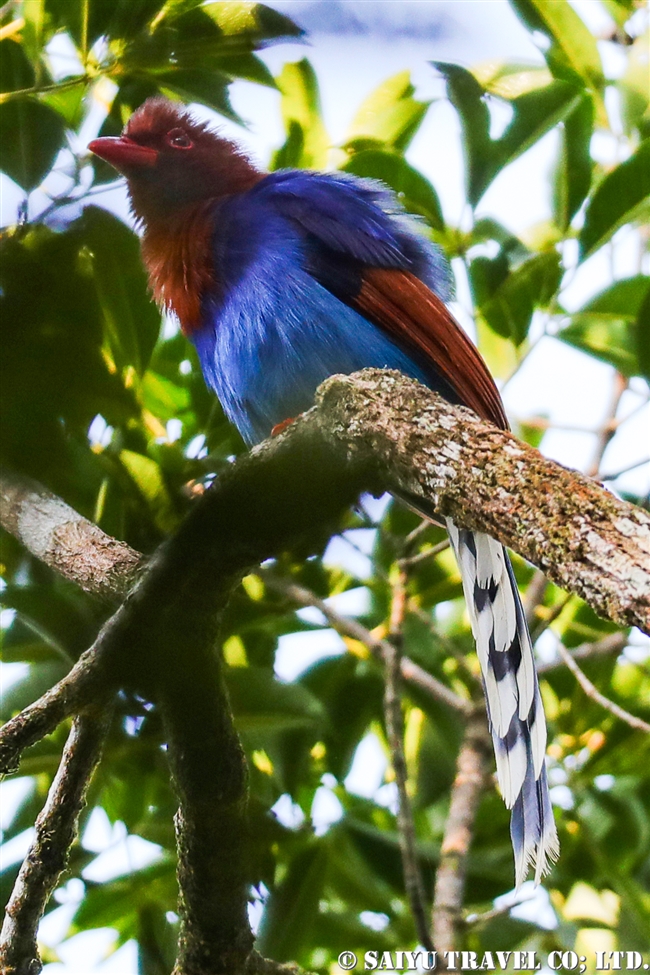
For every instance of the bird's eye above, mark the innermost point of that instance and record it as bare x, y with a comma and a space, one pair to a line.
178, 139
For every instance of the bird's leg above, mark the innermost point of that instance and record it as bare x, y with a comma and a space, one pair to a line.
281, 427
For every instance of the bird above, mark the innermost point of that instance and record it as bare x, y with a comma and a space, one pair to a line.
282, 279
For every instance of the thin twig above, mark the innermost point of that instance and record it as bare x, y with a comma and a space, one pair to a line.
608, 429
56, 829
395, 732
592, 691
428, 553
613, 643
625, 470
411, 672
472, 920
83, 684
534, 597
471, 778
544, 617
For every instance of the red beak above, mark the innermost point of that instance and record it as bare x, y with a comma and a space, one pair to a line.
124, 154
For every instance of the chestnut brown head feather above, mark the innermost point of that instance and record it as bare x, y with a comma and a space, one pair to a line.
176, 167
192, 163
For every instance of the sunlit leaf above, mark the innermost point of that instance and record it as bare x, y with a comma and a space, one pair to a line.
255, 20
573, 48
308, 142
390, 115
68, 101
147, 475
620, 10
614, 325
607, 336
507, 79
634, 90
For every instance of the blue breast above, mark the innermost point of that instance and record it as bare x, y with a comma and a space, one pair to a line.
274, 333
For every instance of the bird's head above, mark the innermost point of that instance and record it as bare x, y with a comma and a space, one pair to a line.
171, 160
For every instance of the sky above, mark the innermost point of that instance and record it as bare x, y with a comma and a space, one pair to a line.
354, 45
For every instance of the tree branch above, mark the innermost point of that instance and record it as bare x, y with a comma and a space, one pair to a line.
593, 692
613, 643
63, 539
471, 776
583, 538
397, 434
56, 829
395, 733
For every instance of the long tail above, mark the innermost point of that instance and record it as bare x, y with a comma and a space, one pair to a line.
514, 705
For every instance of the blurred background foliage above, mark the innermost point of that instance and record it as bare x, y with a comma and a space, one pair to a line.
105, 404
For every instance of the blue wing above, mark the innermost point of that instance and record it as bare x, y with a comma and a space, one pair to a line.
289, 256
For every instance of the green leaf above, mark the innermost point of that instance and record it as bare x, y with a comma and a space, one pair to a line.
609, 337
507, 301
534, 114
262, 703
614, 326
414, 191
148, 477
255, 20
131, 320
643, 335
292, 908
32, 33
114, 904
633, 89
307, 142
507, 79
249, 67
620, 10
624, 297
573, 50
38, 679
616, 201
16, 72
31, 135
162, 397
572, 177
68, 101
390, 115
196, 85
100, 18
467, 97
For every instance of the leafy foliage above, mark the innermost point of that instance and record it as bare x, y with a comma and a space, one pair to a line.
112, 414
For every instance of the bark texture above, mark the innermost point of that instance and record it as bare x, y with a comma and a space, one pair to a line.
582, 536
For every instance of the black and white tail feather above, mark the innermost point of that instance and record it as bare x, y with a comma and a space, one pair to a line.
514, 705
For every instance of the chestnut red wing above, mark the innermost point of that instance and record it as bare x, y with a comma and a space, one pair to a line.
417, 319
